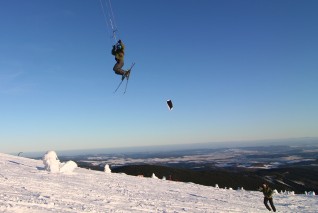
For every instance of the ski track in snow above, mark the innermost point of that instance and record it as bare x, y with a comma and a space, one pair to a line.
26, 187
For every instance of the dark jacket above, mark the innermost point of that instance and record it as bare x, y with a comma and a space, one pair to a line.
267, 191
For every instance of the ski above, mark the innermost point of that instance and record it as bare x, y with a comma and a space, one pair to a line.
133, 64
126, 77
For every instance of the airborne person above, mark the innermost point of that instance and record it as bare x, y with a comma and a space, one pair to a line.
119, 52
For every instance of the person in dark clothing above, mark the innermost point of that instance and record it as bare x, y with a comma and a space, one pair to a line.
268, 196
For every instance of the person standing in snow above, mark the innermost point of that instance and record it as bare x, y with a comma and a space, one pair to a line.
268, 196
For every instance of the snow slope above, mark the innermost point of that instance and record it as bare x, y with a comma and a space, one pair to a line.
25, 186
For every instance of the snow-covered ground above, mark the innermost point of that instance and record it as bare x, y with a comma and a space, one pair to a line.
26, 186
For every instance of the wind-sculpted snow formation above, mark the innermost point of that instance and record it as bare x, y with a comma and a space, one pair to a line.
107, 169
53, 164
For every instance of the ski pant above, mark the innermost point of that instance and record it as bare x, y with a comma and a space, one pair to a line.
270, 202
118, 67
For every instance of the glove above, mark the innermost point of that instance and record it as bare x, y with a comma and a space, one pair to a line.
119, 41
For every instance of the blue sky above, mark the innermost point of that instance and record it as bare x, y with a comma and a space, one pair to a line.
235, 70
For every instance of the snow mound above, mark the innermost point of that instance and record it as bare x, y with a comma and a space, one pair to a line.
107, 169
154, 176
69, 166
53, 164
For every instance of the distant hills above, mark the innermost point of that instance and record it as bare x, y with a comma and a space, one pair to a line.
292, 167
298, 179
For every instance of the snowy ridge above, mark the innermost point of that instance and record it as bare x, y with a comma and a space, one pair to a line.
25, 186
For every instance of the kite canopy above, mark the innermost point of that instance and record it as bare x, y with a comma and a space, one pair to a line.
170, 105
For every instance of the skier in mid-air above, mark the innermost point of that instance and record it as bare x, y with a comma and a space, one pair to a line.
268, 196
119, 52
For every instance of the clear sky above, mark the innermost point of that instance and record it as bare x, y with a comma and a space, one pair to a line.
235, 70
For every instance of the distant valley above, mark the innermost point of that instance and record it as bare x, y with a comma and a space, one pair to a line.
291, 168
